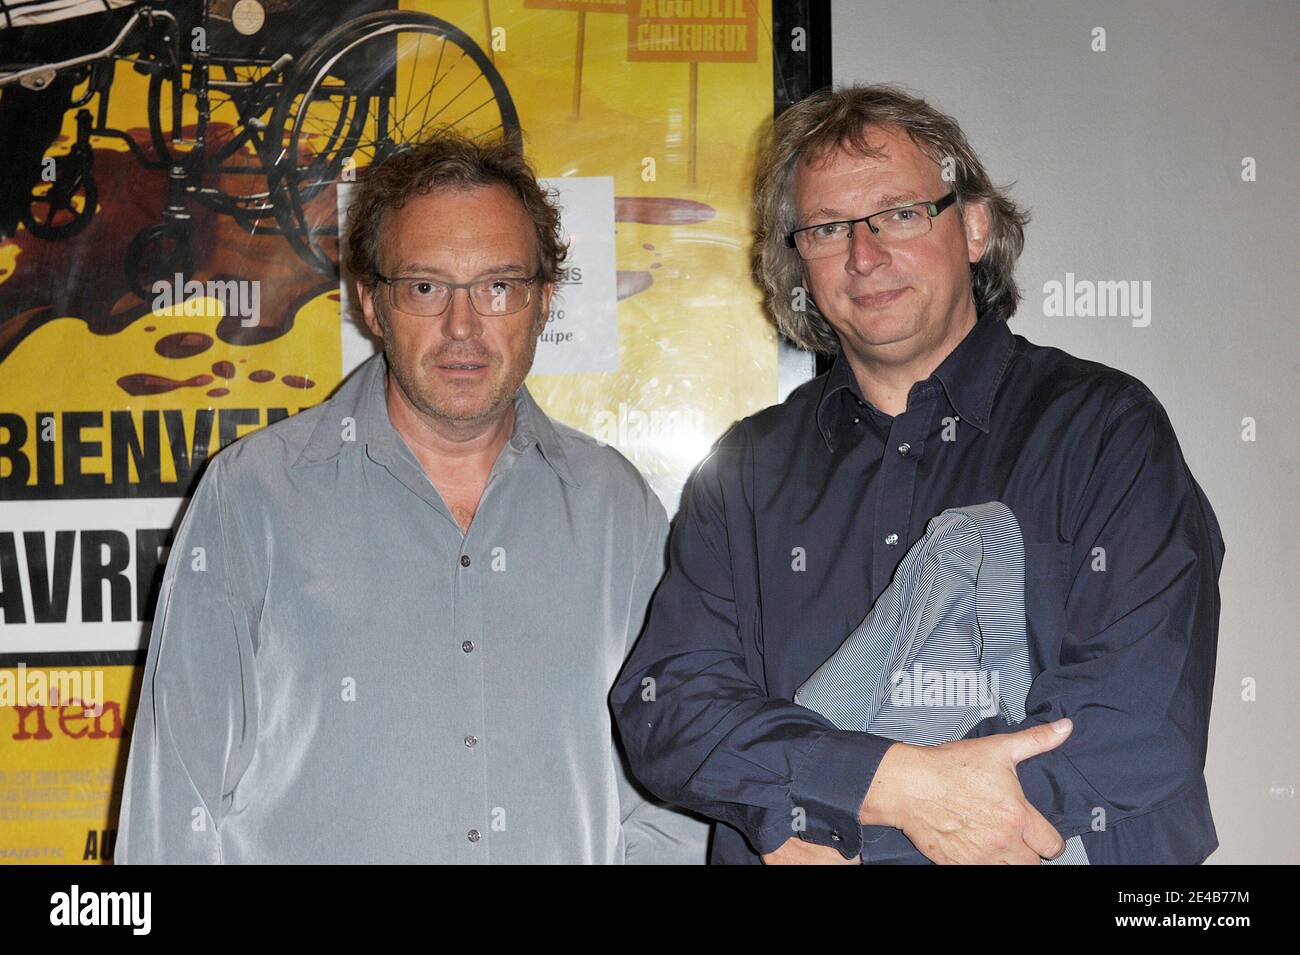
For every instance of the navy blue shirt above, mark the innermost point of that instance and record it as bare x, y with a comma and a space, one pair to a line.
792, 527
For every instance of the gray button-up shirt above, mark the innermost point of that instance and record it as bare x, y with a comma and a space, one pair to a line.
337, 674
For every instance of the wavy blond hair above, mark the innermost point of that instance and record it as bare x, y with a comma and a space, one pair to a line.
841, 118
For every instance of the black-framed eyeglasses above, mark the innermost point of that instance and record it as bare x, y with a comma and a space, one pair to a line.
426, 297
892, 225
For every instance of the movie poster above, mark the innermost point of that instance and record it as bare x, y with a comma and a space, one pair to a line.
175, 179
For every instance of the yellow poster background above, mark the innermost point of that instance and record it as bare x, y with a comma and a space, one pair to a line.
696, 352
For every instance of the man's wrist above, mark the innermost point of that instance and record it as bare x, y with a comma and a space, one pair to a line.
880, 807
828, 784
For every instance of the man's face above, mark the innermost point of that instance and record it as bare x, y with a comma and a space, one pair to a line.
903, 297
458, 235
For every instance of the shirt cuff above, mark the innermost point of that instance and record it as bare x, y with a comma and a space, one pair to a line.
831, 784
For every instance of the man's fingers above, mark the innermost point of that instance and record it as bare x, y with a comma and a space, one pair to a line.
1041, 836
1022, 855
1037, 739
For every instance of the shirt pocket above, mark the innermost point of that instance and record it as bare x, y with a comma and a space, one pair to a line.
1046, 559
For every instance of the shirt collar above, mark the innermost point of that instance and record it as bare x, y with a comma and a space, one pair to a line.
841, 385
970, 375
534, 426
358, 417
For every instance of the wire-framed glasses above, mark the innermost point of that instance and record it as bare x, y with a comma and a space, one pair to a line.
899, 224
418, 295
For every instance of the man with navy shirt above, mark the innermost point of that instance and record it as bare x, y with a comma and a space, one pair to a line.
883, 242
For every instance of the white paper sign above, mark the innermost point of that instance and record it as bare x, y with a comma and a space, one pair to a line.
582, 331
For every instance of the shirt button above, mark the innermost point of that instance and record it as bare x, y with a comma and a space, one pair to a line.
891, 540
473, 835
835, 836
904, 448
468, 646
471, 741
464, 560
856, 420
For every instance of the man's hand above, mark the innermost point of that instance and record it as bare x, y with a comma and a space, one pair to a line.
795, 851
961, 802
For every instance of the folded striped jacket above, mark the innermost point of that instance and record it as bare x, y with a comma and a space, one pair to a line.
945, 646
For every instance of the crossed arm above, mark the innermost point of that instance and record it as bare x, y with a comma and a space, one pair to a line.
1134, 673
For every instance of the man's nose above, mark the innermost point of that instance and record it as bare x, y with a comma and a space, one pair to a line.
866, 251
460, 321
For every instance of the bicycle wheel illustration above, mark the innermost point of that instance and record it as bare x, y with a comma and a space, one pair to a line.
363, 91
60, 209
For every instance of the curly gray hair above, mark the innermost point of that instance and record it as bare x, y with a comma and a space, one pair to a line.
841, 118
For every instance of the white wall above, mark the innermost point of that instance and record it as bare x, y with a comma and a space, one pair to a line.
1130, 161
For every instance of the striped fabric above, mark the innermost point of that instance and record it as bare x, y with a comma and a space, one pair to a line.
944, 647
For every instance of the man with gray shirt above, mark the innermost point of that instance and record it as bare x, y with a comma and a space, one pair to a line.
389, 624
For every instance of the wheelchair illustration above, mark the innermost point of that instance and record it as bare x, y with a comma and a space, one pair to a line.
256, 110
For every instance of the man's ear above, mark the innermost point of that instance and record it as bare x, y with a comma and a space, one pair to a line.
544, 308
366, 296
976, 221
